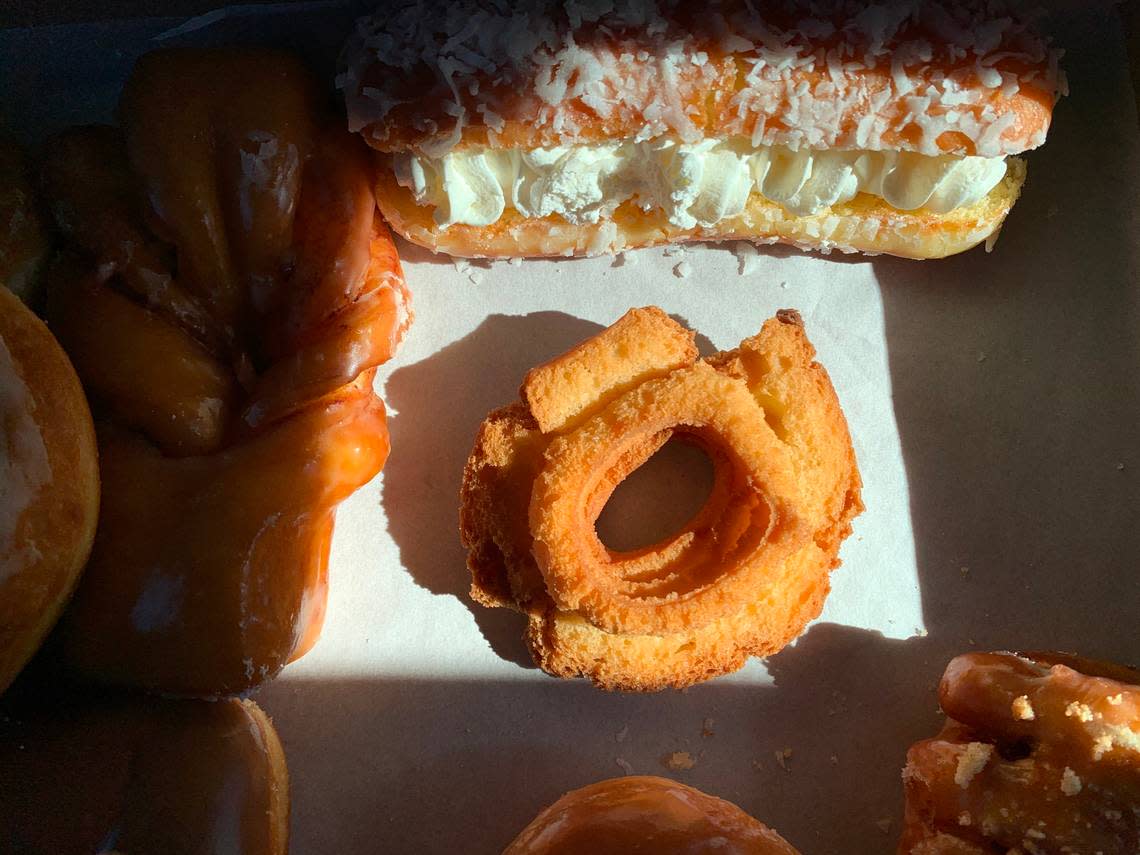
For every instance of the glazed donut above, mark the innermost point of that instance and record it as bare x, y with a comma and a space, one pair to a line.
541, 128
747, 572
648, 815
23, 236
49, 470
1040, 753
142, 776
226, 292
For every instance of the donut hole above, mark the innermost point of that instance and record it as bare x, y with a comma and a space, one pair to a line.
658, 498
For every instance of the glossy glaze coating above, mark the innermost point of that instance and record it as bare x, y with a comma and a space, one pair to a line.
227, 289
141, 777
1037, 756
644, 814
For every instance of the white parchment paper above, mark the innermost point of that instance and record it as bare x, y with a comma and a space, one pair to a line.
993, 401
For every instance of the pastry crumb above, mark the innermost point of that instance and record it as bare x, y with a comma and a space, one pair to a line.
981, 356
965, 571
782, 757
884, 825
1080, 711
972, 761
834, 760
683, 270
515, 261
622, 734
624, 765
1120, 467
707, 728
964, 818
461, 264
624, 259
675, 250
679, 761
1021, 708
1070, 783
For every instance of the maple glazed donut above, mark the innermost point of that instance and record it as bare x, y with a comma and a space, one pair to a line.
49, 483
1040, 754
645, 814
226, 292
538, 128
141, 775
743, 576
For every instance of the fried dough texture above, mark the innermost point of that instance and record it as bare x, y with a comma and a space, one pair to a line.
745, 574
1040, 754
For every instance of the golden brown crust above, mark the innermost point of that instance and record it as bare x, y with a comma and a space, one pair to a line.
1035, 756
801, 412
643, 343
645, 814
50, 501
865, 224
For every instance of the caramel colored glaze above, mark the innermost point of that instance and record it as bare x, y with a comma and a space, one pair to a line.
1036, 756
227, 291
143, 776
644, 814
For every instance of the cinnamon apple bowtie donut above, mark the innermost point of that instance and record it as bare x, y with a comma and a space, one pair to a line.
227, 291
747, 571
1040, 754
645, 814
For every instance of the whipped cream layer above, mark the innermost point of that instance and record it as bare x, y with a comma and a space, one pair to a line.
694, 184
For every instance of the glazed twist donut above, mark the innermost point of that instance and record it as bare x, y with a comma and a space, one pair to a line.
746, 572
227, 291
1040, 754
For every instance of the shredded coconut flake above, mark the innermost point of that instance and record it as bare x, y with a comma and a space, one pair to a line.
553, 70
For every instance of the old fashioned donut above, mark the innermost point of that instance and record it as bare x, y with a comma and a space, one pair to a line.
226, 292
1040, 753
132, 774
49, 483
645, 814
745, 573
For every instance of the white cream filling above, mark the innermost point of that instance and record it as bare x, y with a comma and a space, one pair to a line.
698, 184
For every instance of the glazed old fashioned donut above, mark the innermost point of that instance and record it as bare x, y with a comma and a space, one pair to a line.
645, 814
140, 775
1040, 754
745, 573
226, 292
541, 128
49, 483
